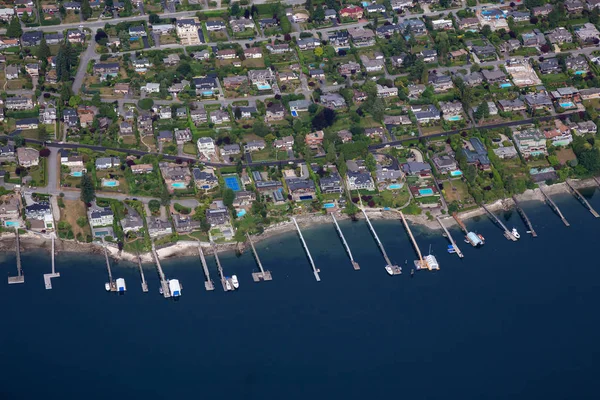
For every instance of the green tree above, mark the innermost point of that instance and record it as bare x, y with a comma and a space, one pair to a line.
96, 100
228, 197
260, 128
14, 29
237, 112
19, 141
239, 167
146, 104
127, 7
318, 51
154, 206
331, 155
43, 50
88, 191
370, 162
86, 10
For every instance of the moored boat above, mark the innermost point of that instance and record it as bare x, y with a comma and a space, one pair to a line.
235, 282
389, 270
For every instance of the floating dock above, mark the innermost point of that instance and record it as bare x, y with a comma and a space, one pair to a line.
224, 280
20, 278
524, 217
553, 206
395, 269
54, 274
507, 234
111, 282
450, 238
312, 263
582, 199
164, 284
208, 283
262, 275
339, 230
144, 283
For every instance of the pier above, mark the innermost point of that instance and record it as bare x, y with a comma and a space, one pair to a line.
450, 238
460, 223
262, 275
524, 217
111, 282
420, 261
166, 291
144, 283
597, 181
582, 199
54, 274
20, 278
339, 230
312, 263
208, 283
395, 269
507, 234
223, 278
553, 206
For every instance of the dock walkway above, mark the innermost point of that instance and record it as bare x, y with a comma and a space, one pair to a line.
582, 199
460, 223
312, 263
144, 283
450, 238
166, 291
223, 278
111, 281
262, 275
53, 274
208, 283
524, 217
553, 206
339, 230
20, 278
414, 242
507, 234
396, 269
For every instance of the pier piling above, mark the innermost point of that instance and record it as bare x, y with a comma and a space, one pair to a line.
312, 263
339, 230
20, 278
553, 206
163, 280
262, 275
450, 238
396, 269
582, 199
524, 217
507, 234
54, 274
208, 283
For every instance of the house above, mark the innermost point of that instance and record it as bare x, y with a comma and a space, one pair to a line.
54, 38
493, 76
538, 101
339, 38
104, 70
72, 6
268, 186
331, 184
589, 94
48, 114
279, 48
458, 54
201, 55
33, 70
261, 76
587, 33
12, 72
125, 128
549, 65
299, 105
240, 25
248, 111
254, 145
574, 6
75, 36
132, 222
530, 142
345, 135
543, 10
308, 43
213, 26
267, 23
206, 146
360, 180
226, 54
445, 164
533, 39
181, 112
387, 31
362, 37
577, 63
451, 110
333, 101
165, 112
506, 152
28, 157
585, 127
217, 216
233, 82
18, 103
428, 56
385, 175
385, 92
473, 79
219, 117
275, 112
286, 143
440, 83
100, 216
199, 116
442, 23
349, 68
426, 113
351, 12
414, 26
511, 105
121, 88
486, 52
165, 136
27, 123
205, 179
151, 88
141, 169
187, 32
205, 86
6, 14
300, 17
396, 120
7, 151
31, 38
172, 59
477, 154
157, 227
229, 149
330, 14
244, 198
183, 135
162, 29
375, 9
253, 52
107, 162
314, 139
559, 35
399, 5
373, 65
560, 135
301, 189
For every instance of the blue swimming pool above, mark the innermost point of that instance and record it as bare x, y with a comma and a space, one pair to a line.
232, 182
77, 174
455, 118
567, 104
207, 93
11, 223
110, 183
178, 185
580, 72
329, 205
294, 113
266, 86
365, 3
241, 213
395, 186
426, 192
505, 85
456, 173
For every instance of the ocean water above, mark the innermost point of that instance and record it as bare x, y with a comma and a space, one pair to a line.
510, 320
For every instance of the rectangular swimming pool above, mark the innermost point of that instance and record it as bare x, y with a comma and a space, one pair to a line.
505, 85
567, 104
455, 118
232, 182
264, 87
426, 192
77, 174
178, 185
110, 183
11, 223
328, 205
456, 173
294, 113
241, 213
395, 186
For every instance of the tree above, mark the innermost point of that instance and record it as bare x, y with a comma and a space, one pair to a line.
96, 100
19, 141
154, 18
319, 15
74, 101
486, 31
101, 37
43, 50
260, 128
88, 192
146, 104
14, 29
239, 167
237, 112
228, 197
154, 206
318, 51
370, 162
86, 10
323, 119
127, 7
331, 155
235, 9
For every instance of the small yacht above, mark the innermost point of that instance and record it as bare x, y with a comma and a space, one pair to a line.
235, 282
516, 233
107, 286
160, 290
412, 272
389, 270
228, 285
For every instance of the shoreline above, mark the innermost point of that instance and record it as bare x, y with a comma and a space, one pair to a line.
30, 241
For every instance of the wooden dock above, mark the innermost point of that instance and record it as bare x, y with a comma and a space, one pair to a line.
507, 234
553, 206
262, 275
208, 283
144, 283
339, 230
422, 264
396, 269
223, 278
524, 217
312, 263
460, 223
597, 181
582, 199
20, 278
450, 238
54, 274
164, 284
111, 281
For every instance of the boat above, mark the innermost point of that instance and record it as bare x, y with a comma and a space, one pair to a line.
412, 272
228, 285
174, 287
389, 270
121, 288
107, 286
474, 239
516, 233
160, 290
480, 236
235, 282
451, 249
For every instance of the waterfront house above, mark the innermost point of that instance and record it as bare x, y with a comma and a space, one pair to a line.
476, 154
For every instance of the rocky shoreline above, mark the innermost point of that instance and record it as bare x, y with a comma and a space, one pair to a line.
31, 242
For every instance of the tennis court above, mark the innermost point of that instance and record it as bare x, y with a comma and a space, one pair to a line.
232, 182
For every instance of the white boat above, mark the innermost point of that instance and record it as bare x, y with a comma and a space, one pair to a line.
235, 282
228, 285
174, 287
516, 233
121, 285
107, 286
389, 270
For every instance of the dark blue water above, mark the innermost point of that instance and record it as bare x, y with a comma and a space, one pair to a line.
510, 320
